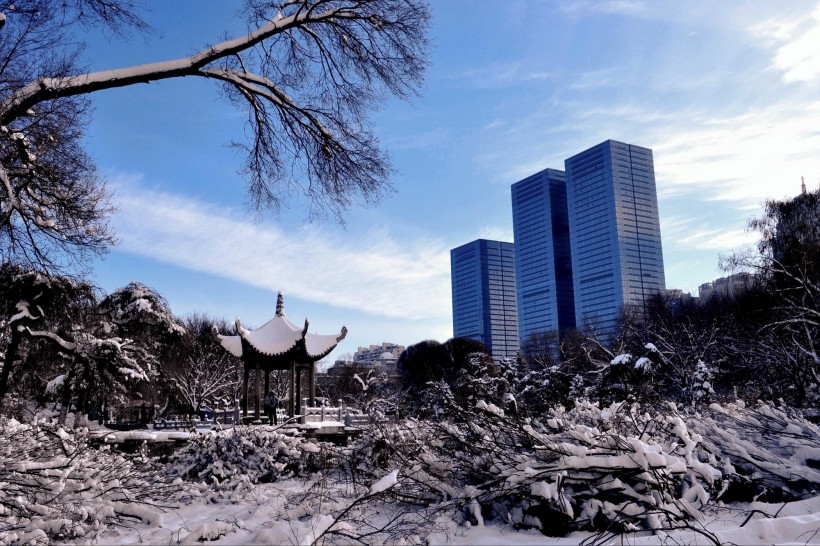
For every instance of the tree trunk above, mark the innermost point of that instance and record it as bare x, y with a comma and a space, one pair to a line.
8, 363
79, 412
65, 399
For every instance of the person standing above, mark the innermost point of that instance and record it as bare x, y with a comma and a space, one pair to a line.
269, 404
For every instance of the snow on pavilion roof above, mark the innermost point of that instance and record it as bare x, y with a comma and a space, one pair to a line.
278, 336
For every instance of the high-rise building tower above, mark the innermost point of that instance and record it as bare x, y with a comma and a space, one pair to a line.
483, 278
614, 231
542, 254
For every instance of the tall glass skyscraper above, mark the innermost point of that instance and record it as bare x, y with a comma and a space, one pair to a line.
484, 309
614, 231
542, 254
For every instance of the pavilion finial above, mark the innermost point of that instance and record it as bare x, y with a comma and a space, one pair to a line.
280, 305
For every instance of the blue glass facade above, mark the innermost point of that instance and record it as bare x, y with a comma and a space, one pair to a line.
542, 254
615, 231
484, 308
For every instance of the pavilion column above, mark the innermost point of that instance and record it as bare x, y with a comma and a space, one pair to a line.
291, 383
258, 390
312, 384
245, 392
299, 391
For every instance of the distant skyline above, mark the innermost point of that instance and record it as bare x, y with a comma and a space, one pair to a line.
725, 95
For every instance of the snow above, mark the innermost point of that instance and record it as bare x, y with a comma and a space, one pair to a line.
55, 384
148, 515
234, 508
118, 437
232, 344
23, 312
277, 336
262, 517
621, 359
643, 363
318, 345
360, 380
385, 483
492, 408
324, 426
208, 531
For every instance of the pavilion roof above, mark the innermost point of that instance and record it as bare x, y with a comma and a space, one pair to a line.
279, 338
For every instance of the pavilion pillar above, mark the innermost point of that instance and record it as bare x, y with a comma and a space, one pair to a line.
299, 391
291, 383
312, 384
258, 391
245, 391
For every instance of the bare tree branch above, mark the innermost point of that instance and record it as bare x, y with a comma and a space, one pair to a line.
307, 74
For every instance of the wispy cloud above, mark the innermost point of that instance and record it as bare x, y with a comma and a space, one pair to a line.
595, 79
501, 74
496, 233
744, 158
795, 41
373, 272
707, 238
622, 7
418, 141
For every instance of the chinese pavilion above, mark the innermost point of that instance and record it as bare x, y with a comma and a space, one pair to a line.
279, 345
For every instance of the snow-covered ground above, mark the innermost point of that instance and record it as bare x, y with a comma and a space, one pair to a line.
426, 482
266, 517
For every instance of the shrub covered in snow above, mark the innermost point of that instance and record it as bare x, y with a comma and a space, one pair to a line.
248, 455
766, 453
618, 468
53, 485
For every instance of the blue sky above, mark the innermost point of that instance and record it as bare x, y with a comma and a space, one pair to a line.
725, 94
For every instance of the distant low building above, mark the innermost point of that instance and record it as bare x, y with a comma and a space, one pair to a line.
382, 358
378, 353
678, 294
727, 287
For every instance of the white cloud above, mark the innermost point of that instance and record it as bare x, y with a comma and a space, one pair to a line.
620, 7
746, 159
373, 272
716, 239
501, 74
796, 42
596, 79
496, 233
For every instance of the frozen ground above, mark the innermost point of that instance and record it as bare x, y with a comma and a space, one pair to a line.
266, 516
212, 491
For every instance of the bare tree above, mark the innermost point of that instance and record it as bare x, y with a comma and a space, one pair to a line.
53, 206
200, 370
788, 267
307, 73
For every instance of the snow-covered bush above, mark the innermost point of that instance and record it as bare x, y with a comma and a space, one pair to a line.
765, 453
248, 455
617, 468
629, 376
53, 485
702, 383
